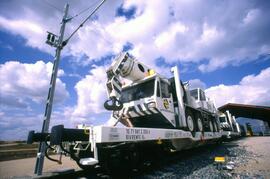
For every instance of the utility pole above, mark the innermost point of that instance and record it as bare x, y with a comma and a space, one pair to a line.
56, 42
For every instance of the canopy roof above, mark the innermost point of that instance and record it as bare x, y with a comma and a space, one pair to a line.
247, 111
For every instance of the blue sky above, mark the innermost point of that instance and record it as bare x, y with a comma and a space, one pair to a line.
223, 48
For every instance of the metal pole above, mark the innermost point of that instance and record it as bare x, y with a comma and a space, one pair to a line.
49, 103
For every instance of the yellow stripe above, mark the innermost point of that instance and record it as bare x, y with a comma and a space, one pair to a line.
219, 159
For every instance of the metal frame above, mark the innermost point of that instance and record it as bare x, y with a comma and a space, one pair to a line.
105, 134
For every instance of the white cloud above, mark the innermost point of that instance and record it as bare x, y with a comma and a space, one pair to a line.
218, 35
252, 89
196, 83
15, 126
251, 16
33, 32
91, 91
193, 36
22, 83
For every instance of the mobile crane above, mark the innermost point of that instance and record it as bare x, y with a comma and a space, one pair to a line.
230, 129
158, 113
154, 101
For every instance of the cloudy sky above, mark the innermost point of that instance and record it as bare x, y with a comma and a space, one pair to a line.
221, 46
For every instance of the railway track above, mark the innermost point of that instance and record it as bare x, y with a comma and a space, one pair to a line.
167, 165
250, 156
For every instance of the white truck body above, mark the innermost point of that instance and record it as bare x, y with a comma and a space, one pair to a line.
230, 127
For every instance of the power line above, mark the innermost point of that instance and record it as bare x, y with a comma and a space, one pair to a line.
78, 14
51, 5
86, 9
58, 9
96, 8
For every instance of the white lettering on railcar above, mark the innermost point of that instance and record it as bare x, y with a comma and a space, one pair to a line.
136, 134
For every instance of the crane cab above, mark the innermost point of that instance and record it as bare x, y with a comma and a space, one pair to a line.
148, 103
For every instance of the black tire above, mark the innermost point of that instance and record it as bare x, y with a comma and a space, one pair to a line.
218, 127
191, 126
199, 123
215, 126
211, 127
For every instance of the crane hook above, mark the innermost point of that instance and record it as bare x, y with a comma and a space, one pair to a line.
116, 105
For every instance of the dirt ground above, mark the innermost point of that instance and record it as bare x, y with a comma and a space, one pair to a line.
260, 161
25, 167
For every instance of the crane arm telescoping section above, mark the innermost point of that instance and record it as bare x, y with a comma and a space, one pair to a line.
180, 94
126, 67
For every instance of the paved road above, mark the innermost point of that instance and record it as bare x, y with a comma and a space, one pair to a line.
250, 157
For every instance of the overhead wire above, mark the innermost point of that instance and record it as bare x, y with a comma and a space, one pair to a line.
93, 30
72, 17
51, 5
81, 25
80, 13
84, 10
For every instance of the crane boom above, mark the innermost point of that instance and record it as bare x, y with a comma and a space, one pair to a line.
124, 66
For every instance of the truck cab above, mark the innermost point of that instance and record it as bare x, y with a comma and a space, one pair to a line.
202, 101
229, 125
148, 103
224, 122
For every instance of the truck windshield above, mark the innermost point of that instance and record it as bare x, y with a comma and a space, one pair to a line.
139, 91
202, 95
194, 93
222, 119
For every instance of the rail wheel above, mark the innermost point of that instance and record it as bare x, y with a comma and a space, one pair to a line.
120, 162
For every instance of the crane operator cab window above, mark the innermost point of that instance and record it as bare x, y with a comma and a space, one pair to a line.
222, 119
202, 95
194, 93
139, 91
165, 90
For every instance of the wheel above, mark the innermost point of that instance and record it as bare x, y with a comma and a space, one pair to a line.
199, 123
218, 127
211, 126
190, 121
215, 126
